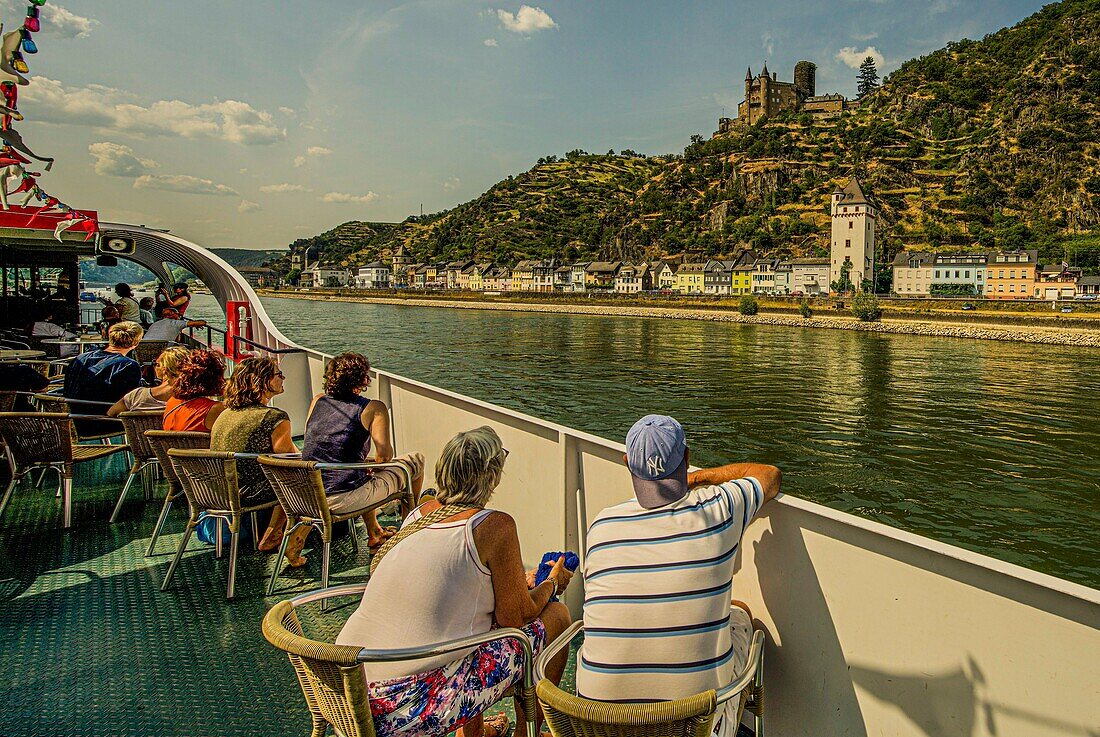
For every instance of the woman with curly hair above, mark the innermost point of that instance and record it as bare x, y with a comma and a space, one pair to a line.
341, 428
193, 408
148, 399
248, 425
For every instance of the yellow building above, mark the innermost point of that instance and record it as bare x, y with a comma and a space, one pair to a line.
689, 278
741, 279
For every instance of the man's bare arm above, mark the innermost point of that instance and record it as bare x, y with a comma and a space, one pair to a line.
770, 477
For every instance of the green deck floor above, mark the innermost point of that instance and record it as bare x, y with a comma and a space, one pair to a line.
91, 646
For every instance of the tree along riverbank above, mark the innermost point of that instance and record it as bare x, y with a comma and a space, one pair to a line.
1003, 327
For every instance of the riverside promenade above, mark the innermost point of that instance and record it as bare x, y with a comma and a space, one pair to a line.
897, 325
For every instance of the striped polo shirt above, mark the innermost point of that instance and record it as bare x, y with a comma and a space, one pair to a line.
657, 590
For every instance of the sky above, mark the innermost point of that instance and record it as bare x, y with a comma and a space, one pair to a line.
253, 123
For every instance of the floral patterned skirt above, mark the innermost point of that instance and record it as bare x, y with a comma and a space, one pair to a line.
443, 699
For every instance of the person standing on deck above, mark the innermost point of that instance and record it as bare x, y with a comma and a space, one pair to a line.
659, 573
128, 307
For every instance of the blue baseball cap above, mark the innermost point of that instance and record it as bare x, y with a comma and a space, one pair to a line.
656, 454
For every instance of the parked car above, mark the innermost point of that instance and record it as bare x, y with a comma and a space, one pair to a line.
967, 306
1067, 309
87, 297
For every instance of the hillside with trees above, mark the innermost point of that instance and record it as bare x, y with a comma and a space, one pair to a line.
982, 144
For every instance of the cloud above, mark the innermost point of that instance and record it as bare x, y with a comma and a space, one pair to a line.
526, 20
452, 184
491, 42
343, 197
183, 183
116, 160
318, 151
288, 111
299, 161
111, 109
56, 20
767, 41
850, 56
249, 206
283, 188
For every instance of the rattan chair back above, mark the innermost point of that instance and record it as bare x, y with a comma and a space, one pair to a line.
299, 489
148, 351
209, 480
135, 424
161, 440
37, 437
7, 401
332, 680
573, 716
51, 403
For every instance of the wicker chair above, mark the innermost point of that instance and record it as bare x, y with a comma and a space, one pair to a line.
332, 681
146, 352
161, 441
301, 493
44, 440
572, 716
56, 403
209, 480
144, 457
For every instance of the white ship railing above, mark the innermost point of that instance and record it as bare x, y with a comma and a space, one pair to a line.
870, 630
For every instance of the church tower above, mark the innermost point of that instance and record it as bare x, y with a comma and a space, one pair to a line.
401, 264
853, 231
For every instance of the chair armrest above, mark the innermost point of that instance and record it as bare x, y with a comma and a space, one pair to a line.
399, 467
246, 456
329, 593
462, 643
553, 648
752, 667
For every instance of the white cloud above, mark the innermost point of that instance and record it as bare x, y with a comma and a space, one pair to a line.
526, 20
116, 160
318, 151
491, 42
852, 57
288, 111
56, 20
115, 110
452, 184
299, 161
248, 206
343, 197
283, 188
767, 41
183, 183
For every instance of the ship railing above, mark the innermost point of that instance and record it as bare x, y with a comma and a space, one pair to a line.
235, 341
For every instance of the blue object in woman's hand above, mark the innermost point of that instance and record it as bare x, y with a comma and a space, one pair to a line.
572, 561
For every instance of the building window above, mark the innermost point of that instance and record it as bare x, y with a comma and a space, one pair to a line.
937, 273
1012, 287
967, 274
847, 244
1000, 273
845, 209
1012, 274
851, 225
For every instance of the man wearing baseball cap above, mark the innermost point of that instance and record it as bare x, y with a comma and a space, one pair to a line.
658, 575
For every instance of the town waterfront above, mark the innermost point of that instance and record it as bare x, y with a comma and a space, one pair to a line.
986, 445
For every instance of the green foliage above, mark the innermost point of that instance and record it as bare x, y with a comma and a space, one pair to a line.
804, 309
865, 306
748, 305
867, 80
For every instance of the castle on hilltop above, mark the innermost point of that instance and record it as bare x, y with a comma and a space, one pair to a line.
766, 97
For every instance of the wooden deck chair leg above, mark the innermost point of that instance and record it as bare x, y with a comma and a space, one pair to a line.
160, 523
234, 540
134, 471
7, 494
66, 501
179, 553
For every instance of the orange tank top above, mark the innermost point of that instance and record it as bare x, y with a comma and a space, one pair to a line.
187, 415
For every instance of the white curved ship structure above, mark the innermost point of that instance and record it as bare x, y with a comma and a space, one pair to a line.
871, 630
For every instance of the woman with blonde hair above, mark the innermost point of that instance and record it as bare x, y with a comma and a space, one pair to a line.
465, 560
249, 425
148, 399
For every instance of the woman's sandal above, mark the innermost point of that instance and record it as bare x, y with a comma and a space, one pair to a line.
497, 725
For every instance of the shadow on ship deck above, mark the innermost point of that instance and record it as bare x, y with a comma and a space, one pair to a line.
93, 647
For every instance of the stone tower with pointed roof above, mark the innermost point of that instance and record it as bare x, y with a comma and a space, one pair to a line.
853, 235
401, 263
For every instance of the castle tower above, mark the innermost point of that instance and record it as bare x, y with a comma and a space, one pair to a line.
748, 83
853, 235
805, 78
401, 264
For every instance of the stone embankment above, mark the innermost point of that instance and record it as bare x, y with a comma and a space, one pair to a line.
1006, 332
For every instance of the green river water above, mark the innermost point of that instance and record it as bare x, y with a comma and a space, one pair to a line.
989, 446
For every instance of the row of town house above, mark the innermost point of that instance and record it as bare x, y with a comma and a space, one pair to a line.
1006, 275
744, 275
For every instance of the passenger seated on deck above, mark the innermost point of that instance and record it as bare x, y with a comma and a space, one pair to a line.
193, 407
148, 399
248, 425
340, 428
169, 325
101, 377
658, 575
110, 317
460, 575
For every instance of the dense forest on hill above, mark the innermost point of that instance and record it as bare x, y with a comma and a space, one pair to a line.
982, 144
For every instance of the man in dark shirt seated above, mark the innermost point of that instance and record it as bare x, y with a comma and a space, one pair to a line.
103, 376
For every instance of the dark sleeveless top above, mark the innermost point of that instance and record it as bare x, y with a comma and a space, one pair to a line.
335, 434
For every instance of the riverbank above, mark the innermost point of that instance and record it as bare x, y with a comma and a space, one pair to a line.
907, 325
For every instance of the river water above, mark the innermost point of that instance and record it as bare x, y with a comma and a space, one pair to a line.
989, 446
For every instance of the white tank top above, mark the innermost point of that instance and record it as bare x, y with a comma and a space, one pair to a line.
433, 587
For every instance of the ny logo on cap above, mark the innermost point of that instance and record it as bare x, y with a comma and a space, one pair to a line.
655, 464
